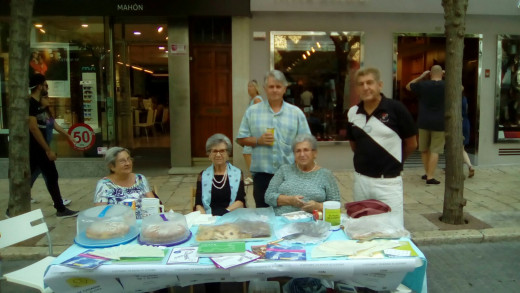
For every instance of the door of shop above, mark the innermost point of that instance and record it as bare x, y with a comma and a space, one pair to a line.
211, 98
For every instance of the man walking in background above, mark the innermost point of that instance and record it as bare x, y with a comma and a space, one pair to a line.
429, 87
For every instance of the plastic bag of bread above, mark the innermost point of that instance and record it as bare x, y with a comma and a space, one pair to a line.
165, 229
240, 224
374, 226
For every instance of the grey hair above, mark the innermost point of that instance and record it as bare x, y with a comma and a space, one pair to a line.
218, 138
305, 137
111, 155
277, 75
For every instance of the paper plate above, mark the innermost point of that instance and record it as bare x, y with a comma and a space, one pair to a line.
165, 244
84, 241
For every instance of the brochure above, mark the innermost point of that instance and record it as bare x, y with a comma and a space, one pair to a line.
285, 252
226, 262
85, 261
216, 249
183, 255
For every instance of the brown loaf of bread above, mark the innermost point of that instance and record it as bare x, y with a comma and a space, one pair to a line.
164, 232
107, 230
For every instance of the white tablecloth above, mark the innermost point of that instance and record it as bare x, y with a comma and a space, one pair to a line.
374, 273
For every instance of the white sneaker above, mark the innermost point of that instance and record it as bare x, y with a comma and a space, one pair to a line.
248, 181
66, 202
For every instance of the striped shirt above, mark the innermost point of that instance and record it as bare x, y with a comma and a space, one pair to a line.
288, 123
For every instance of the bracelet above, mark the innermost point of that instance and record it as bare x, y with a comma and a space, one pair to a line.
256, 141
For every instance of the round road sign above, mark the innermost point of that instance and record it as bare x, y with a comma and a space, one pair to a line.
83, 135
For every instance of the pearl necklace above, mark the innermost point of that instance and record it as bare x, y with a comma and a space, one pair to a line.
222, 182
313, 169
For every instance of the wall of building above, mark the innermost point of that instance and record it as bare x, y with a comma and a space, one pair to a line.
379, 30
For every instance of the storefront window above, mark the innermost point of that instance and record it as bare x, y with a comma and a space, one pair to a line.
507, 123
71, 53
320, 68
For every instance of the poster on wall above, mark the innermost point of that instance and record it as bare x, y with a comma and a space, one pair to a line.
52, 60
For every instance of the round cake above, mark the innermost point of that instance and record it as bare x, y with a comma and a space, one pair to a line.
107, 230
164, 232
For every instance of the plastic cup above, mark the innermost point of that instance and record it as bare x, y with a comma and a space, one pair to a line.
271, 130
332, 213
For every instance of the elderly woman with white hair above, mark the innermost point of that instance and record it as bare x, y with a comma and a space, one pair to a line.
220, 188
121, 183
303, 185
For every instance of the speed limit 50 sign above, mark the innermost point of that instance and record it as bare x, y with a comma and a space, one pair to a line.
83, 135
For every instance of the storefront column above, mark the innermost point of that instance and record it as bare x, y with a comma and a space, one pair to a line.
240, 47
179, 87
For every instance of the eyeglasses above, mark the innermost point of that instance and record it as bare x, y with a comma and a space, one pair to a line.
124, 161
221, 152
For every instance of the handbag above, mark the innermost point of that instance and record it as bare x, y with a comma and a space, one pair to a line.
367, 207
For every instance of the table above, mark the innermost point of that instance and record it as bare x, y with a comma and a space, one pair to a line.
377, 274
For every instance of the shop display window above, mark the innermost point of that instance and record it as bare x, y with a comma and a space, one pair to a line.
507, 101
320, 68
70, 52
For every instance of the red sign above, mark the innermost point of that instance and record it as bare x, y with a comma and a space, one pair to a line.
83, 135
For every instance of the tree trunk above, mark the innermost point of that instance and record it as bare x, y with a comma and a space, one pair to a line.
454, 202
19, 171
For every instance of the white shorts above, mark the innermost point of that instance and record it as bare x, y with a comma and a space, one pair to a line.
387, 190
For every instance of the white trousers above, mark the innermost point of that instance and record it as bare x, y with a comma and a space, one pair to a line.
387, 190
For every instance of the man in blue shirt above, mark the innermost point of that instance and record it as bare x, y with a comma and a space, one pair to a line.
270, 128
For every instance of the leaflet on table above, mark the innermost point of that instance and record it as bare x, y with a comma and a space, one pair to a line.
382, 281
145, 282
66, 279
191, 275
85, 261
285, 252
183, 255
335, 270
226, 262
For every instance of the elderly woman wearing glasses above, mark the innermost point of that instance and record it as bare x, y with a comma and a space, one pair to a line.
220, 188
121, 183
303, 185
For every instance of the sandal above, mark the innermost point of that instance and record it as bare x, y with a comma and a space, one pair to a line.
471, 173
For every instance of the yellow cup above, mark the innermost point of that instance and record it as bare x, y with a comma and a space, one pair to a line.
271, 130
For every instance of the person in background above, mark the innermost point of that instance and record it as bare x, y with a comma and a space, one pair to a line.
382, 135
431, 118
466, 135
50, 125
122, 183
270, 128
303, 185
254, 95
220, 188
41, 156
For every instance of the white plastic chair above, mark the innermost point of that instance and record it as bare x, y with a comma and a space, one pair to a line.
150, 120
165, 119
18, 229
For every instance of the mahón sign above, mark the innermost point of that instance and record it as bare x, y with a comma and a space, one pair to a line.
164, 8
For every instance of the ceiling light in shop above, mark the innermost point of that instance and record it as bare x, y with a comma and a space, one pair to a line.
318, 44
161, 48
312, 49
308, 53
304, 56
84, 25
42, 31
166, 37
148, 71
137, 33
137, 68
38, 25
160, 29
